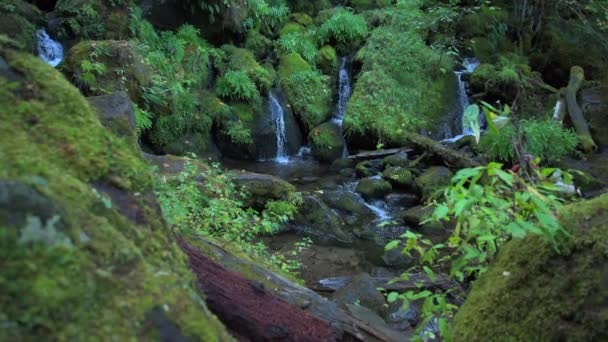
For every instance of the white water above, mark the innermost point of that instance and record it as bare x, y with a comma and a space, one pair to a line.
378, 207
49, 50
344, 92
278, 117
470, 65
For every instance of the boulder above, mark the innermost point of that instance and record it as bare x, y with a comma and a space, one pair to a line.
261, 188
415, 215
317, 219
19, 20
398, 159
169, 165
341, 164
326, 142
346, 201
368, 168
399, 177
535, 292
78, 212
200, 144
90, 19
371, 188
118, 57
432, 180
116, 113
327, 61
362, 291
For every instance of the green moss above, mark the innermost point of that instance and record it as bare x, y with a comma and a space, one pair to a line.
291, 27
106, 269
19, 21
363, 5
482, 21
398, 176
326, 142
327, 60
302, 19
371, 188
533, 293
307, 91
244, 60
257, 43
97, 19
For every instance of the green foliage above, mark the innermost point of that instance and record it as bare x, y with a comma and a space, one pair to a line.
143, 120
266, 15
403, 81
489, 207
299, 43
238, 86
309, 95
206, 202
344, 28
546, 139
90, 71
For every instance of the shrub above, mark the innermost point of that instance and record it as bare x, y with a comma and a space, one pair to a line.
237, 85
546, 139
298, 43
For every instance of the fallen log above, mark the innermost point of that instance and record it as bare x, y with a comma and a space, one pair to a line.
452, 157
343, 324
577, 76
366, 155
248, 309
416, 281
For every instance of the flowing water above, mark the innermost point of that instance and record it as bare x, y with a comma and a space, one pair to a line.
278, 117
344, 91
49, 50
456, 128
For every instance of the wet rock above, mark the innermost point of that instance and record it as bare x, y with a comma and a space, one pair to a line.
371, 188
362, 291
399, 177
347, 202
326, 142
341, 164
433, 179
403, 200
317, 219
368, 168
19, 21
262, 188
90, 19
397, 159
414, 216
173, 165
197, 143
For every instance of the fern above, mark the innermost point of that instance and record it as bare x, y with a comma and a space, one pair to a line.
300, 44
143, 120
237, 85
344, 27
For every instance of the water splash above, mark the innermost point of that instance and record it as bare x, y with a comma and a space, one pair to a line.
470, 65
49, 50
278, 117
344, 91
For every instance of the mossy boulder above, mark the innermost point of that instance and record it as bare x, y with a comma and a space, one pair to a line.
307, 91
317, 219
326, 142
291, 27
108, 58
348, 202
261, 188
244, 60
258, 44
361, 290
77, 211
302, 19
85, 19
432, 180
341, 164
371, 188
327, 61
532, 292
398, 159
368, 168
116, 113
414, 217
19, 21
399, 177
200, 144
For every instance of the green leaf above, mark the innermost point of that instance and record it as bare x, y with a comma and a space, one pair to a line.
429, 272
392, 245
471, 121
392, 297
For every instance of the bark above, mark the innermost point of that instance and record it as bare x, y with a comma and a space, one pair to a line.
452, 157
577, 76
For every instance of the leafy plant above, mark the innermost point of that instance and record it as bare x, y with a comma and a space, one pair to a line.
488, 206
298, 43
238, 86
90, 71
344, 27
143, 120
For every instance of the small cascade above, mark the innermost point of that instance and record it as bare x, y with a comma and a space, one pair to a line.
49, 50
278, 117
378, 207
470, 64
344, 91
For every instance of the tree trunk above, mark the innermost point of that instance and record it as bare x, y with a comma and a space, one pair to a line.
577, 76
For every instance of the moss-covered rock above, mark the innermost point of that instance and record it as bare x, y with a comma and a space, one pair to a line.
432, 180
198, 143
243, 59
78, 213
415, 215
371, 188
302, 19
368, 168
326, 142
327, 60
103, 67
291, 27
399, 177
533, 293
317, 219
96, 19
307, 91
259, 44
116, 113
398, 159
361, 290
261, 188
19, 21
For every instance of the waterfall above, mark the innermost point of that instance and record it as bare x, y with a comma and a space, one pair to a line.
470, 65
49, 50
278, 117
344, 91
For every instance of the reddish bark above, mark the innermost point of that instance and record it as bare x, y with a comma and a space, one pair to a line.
249, 310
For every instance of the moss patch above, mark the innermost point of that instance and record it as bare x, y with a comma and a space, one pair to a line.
532, 293
108, 260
